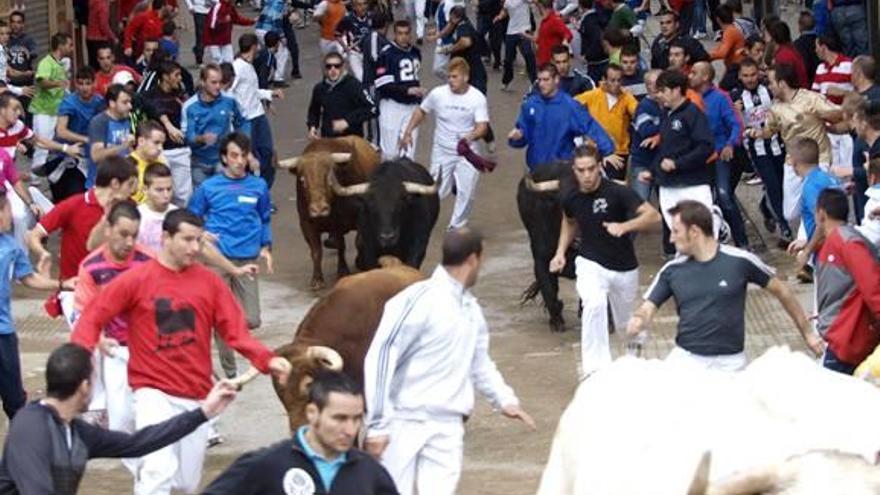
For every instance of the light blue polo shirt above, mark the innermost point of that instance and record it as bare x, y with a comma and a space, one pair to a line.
327, 469
14, 264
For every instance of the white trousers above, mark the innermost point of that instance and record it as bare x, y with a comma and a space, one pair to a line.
455, 170
356, 64
115, 395
44, 126
841, 150
180, 162
281, 56
440, 62
328, 46
792, 188
425, 457
599, 287
415, 11
220, 54
179, 465
726, 362
22, 218
393, 119
671, 196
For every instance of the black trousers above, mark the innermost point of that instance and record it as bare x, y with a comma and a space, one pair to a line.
11, 388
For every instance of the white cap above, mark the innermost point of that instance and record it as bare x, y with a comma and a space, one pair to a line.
122, 77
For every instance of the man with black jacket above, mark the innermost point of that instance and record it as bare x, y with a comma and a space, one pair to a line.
487, 11
680, 166
320, 456
339, 104
669, 32
48, 446
398, 89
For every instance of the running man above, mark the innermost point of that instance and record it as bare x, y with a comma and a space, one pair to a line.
462, 114
606, 213
429, 353
398, 89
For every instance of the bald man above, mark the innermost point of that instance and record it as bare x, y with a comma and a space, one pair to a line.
727, 130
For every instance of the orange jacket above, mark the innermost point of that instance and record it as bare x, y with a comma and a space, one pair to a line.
615, 120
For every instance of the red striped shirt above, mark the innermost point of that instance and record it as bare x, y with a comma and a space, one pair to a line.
837, 75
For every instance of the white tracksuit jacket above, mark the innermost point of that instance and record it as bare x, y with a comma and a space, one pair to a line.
431, 349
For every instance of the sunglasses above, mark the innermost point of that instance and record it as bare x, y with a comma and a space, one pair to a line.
332, 66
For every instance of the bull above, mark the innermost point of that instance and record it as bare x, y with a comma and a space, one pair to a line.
399, 207
540, 209
326, 170
337, 331
783, 425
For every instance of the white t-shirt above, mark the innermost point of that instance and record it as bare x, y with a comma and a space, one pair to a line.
457, 115
150, 231
518, 13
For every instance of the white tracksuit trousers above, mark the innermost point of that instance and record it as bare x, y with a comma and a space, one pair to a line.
598, 287
393, 119
454, 169
425, 457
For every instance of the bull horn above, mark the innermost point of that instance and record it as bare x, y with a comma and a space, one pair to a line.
352, 190
246, 378
340, 157
327, 356
416, 188
288, 163
543, 186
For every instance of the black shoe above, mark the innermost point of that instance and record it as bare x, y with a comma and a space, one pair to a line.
279, 84
805, 275
296, 75
330, 243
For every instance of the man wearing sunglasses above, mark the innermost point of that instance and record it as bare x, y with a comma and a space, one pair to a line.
339, 104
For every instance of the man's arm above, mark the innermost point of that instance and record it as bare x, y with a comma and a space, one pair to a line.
364, 109
791, 305
641, 318
113, 301
63, 132
567, 232
28, 455
485, 375
229, 321
241, 478
646, 217
704, 145
523, 127
313, 119
588, 126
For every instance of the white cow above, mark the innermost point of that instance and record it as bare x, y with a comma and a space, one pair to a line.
642, 427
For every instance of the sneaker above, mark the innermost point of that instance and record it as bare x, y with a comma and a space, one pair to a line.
215, 439
279, 84
506, 88
724, 235
754, 181
296, 75
699, 36
717, 36
491, 147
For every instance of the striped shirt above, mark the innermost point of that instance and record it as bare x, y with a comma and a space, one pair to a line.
837, 75
11, 136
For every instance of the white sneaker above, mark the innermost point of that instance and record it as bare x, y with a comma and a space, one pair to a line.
699, 36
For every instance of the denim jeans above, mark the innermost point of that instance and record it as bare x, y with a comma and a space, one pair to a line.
698, 23
495, 30
11, 389
202, 171
725, 188
770, 168
513, 42
643, 189
264, 147
292, 46
832, 362
851, 24
199, 21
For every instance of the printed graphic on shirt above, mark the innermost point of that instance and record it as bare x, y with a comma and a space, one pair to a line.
176, 325
298, 482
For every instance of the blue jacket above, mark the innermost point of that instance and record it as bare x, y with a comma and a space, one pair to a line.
726, 125
645, 124
686, 139
220, 117
549, 126
239, 211
814, 183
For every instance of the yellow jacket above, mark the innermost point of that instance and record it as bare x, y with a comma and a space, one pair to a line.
614, 120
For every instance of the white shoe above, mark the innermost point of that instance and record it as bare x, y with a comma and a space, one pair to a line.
699, 36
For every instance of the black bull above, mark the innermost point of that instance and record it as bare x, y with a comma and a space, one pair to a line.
540, 209
399, 207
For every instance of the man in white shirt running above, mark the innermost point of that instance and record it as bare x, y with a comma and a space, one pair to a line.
462, 113
429, 353
246, 88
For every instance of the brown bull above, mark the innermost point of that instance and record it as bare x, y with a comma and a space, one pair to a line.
337, 331
325, 171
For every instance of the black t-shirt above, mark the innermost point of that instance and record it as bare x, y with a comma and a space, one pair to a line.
472, 54
711, 298
610, 203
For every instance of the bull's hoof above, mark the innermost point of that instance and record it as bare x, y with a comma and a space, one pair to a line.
317, 284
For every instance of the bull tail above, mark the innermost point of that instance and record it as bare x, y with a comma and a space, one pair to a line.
530, 293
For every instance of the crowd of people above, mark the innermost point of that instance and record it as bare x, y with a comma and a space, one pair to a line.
160, 182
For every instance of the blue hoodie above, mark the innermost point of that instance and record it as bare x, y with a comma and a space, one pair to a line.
723, 118
549, 126
239, 211
220, 117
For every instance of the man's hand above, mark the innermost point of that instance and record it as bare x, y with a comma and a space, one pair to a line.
266, 255
248, 270
27, 91
405, 141
667, 165
36, 210
615, 161
417, 91
650, 142
645, 176
634, 327
557, 263
515, 134
44, 263
280, 369
70, 283
816, 344
375, 446
108, 346
874, 214
515, 412
796, 245
208, 138
218, 398
313, 133
128, 52
74, 150
253, 163
739, 104
339, 125
727, 153
278, 94
175, 134
616, 229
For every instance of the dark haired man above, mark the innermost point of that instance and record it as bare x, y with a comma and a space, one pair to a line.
173, 304
339, 105
51, 82
708, 282
437, 329
847, 286
571, 80
22, 52
76, 111
48, 446
110, 133
398, 89
669, 32
320, 454
607, 268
